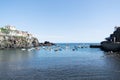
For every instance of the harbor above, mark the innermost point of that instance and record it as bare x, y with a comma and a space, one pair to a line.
60, 40
51, 63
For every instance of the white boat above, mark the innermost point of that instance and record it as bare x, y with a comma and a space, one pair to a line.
31, 49
23, 49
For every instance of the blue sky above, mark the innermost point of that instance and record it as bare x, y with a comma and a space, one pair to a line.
62, 20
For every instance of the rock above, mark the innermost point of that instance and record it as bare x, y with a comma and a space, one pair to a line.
18, 42
95, 46
112, 43
110, 46
10, 37
35, 42
46, 43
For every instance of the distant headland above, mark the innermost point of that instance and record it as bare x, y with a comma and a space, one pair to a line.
10, 37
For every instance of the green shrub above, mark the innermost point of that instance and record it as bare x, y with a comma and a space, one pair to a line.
6, 31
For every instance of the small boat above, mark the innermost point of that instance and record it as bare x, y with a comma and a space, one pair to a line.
23, 49
43, 47
31, 49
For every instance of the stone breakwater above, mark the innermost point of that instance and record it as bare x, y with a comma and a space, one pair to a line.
17, 42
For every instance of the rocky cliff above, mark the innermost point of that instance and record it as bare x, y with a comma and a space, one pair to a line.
10, 37
112, 43
18, 42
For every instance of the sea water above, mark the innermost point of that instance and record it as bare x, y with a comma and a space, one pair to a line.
68, 61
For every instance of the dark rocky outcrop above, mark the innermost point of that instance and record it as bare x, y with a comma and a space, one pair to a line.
46, 43
35, 42
115, 37
112, 43
110, 46
95, 46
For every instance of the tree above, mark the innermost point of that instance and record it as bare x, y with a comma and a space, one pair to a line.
6, 31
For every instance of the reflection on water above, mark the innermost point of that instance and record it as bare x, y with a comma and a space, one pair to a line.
59, 63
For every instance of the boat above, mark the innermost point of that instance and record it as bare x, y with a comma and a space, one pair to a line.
23, 49
31, 49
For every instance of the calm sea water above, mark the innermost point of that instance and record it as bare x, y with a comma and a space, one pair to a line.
61, 62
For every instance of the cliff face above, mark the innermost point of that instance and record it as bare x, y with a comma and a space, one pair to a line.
115, 36
112, 43
10, 37
18, 42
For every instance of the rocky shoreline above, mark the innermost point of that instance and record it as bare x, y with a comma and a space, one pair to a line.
112, 43
18, 42
22, 43
46, 43
10, 37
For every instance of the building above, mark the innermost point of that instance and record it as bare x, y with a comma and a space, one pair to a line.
14, 32
30, 35
9, 27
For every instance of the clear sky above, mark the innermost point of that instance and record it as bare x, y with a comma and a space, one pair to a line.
62, 20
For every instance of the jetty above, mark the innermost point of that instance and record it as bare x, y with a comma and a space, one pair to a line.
95, 46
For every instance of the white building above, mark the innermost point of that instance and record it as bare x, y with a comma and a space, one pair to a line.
14, 32
10, 27
1, 32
